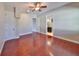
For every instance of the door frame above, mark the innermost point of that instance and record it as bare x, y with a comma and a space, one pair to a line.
48, 18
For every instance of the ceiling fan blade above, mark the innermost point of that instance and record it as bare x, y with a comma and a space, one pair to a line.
43, 6
31, 6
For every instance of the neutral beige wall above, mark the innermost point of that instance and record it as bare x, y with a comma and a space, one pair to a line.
2, 23
6, 21
10, 25
66, 21
25, 24
41, 24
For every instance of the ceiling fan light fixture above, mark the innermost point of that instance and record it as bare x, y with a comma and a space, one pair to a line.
37, 8
28, 11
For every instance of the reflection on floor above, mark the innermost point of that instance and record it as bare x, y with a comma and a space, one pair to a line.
48, 33
37, 44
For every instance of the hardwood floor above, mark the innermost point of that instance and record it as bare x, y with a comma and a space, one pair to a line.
37, 44
62, 47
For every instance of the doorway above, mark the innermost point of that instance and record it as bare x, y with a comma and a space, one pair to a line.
49, 26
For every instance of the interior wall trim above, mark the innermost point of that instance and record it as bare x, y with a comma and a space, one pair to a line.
62, 38
12, 38
5, 41
2, 46
25, 33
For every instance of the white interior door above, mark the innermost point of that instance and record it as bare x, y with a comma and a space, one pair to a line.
34, 25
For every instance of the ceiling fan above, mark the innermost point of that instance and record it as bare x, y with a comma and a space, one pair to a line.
37, 6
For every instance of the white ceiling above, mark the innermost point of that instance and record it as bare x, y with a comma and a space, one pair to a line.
24, 5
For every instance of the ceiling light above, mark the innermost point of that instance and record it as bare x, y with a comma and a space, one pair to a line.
37, 6
27, 11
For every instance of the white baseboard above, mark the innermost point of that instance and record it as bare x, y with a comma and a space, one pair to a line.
63, 38
12, 38
17, 37
0, 52
42, 33
25, 33
4, 42
2, 46
67, 39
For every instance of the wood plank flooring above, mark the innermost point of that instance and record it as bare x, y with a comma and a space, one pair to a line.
37, 44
